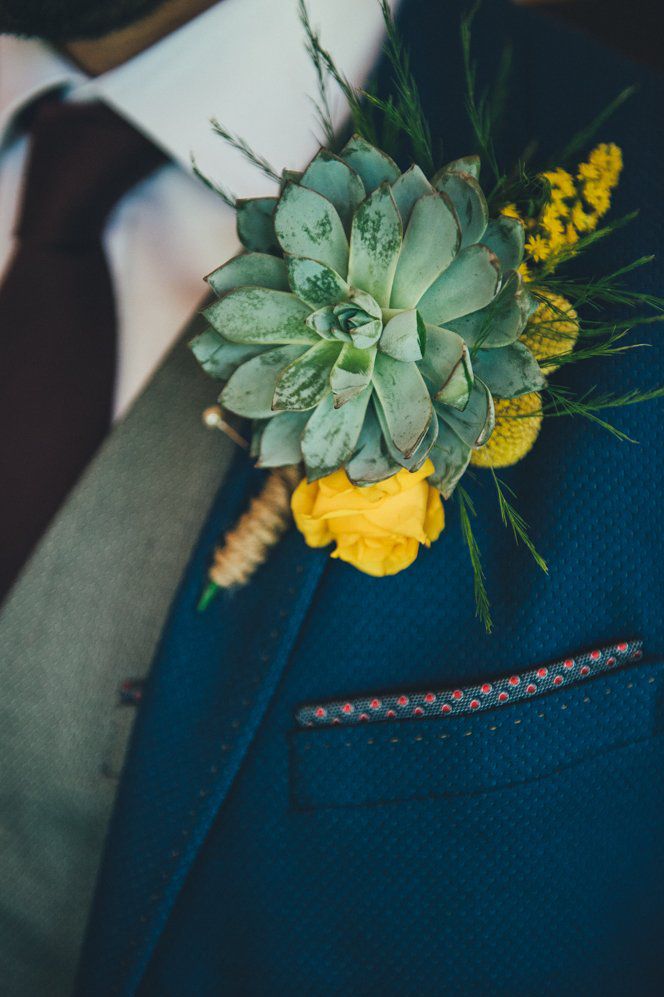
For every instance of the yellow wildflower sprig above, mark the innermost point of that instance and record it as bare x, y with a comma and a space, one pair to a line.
575, 205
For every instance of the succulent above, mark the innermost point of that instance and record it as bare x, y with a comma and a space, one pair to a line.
372, 320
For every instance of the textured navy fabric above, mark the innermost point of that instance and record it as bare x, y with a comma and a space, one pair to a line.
247, 856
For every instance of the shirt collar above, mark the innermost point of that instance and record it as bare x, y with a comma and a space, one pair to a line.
28, 68
242, 61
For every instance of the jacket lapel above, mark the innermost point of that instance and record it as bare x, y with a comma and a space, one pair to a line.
211, 684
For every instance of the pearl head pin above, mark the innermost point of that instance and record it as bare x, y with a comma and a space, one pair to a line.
213, 419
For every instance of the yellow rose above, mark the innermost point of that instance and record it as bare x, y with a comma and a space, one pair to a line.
377, 528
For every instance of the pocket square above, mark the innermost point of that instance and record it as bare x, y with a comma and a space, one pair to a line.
472, 699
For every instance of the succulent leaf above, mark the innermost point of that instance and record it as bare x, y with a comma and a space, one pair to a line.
375, 244
280, 440
251, 388
305, 382
405, 402
217, 356
257, 428
373, 166
468, 284
466, 164
509, 372
260, 316
289, 176
475, 424
357, 320
404, 336
307, 224
502, 321
205, 344
324, 322
332, 433
372, 461
408, 189
467, 200
351, 373
423, 449
430, 244
360, 318
247, 270
506, 238
447, 367
255, 224
413, 461
328, 175
450, 457
315, 283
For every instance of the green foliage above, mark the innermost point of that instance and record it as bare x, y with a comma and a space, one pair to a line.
383, 121
314, 50
466, 510
594, 328
226, 196
562, 402
403, 109
324, 63
612, 346
243, 147
483, 108
608, 289
515, 520
582, 139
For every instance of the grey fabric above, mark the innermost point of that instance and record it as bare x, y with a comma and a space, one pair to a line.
86, 614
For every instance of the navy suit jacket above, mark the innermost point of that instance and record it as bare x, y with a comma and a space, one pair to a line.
516, 849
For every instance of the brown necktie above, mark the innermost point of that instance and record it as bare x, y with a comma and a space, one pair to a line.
57, 314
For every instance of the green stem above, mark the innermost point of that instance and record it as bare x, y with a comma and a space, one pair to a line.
207, 595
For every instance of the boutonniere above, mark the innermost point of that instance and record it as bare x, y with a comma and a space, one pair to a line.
395, 322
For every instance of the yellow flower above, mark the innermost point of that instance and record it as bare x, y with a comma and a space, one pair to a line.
571, 235
377, 528
574, 207
510, 211
582, 220
552, 330
562, 183
599, 175
518, 422
538, 248
550, 221
607, 160
588, 171
598, 197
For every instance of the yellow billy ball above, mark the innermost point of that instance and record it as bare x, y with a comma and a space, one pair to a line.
552, 330
518, 422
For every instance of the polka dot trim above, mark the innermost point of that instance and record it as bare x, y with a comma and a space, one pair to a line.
473, 699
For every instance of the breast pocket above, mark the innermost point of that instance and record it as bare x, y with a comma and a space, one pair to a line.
471, 741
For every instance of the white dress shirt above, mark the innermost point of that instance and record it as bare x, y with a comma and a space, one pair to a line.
242, 61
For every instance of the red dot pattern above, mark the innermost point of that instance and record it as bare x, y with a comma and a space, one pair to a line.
484, 696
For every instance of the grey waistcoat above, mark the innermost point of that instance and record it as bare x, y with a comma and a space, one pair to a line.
85, 615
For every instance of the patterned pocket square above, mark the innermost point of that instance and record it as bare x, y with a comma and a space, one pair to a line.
472, 699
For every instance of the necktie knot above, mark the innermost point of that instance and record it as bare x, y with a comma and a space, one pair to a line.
83, 158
